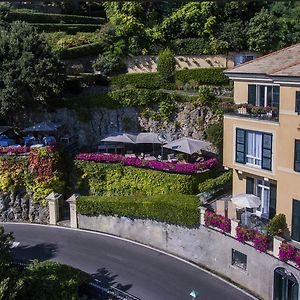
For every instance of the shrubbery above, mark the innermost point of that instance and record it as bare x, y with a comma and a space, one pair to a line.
36, 17
214, 183
69, 28
101, 179
171, 208
81, 51
166, 65
209, 76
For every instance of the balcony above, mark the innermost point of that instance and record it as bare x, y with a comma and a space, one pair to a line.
245, 110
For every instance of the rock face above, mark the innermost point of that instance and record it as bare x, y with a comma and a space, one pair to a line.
19, 207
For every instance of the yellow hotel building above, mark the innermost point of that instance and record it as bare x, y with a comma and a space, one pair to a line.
263, 149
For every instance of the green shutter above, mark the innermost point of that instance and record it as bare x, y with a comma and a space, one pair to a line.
249, 185
267, 151
297, 105
297, 156
276, 96
273, 196
296, 221
240, 146
252, 94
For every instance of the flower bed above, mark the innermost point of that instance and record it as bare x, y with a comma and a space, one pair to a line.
218, 221
288, 252
260, 240
184, 168
14, 150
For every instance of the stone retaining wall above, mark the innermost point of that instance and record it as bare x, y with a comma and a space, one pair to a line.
203, 246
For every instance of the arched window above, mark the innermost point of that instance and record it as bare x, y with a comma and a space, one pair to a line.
286, 286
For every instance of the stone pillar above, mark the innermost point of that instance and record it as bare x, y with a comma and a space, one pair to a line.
234, 224
202, 213
276, 244
53, 200
73, 211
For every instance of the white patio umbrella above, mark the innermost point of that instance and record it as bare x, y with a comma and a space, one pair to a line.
246, 201
187, 145
125, 138
43, 127
147, 138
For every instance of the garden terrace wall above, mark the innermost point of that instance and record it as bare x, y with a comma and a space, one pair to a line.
203, 246
108, 179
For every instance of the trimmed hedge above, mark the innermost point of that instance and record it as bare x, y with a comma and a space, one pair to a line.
81, 51
172, 208
69, 28
102, 179
213, 183
208, 76
36, 17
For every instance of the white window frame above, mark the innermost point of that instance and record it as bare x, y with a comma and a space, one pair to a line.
254, 160
263, 210
258, 85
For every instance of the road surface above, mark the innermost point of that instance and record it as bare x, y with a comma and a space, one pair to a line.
140, 271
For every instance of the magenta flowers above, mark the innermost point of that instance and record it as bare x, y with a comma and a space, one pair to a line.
218, 221
184, 168
14, 150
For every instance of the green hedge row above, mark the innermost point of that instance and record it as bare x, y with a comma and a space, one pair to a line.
36, 17
172, 208
69, 28
81, 51
213, 183
104, 179
209, 76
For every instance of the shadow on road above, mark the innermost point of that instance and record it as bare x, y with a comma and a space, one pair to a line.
107, 280
41, 252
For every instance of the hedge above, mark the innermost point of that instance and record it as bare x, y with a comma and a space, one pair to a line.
81, 51
213, 183
172, 208
208, 76
103, 179
69, 28
36, 17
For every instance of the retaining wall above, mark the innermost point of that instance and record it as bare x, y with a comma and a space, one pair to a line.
203, 246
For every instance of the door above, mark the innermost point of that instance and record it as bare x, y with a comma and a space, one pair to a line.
285, 285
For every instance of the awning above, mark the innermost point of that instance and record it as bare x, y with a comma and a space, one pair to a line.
188, 145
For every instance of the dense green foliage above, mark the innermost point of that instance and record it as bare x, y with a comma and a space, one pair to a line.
221, 181
37, 17
166, 65
215, 135
209, 76
81, 51
277, 225
172, 208
69, 28
101, 179
30, 73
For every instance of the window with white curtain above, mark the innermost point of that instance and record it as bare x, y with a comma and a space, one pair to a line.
254, 148
263, 192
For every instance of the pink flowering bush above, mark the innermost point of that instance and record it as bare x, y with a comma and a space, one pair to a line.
184, 168
244, 234
287, 252
261, 241
218, 221
14, 150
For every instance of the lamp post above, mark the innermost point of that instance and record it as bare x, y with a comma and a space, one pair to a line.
162, 137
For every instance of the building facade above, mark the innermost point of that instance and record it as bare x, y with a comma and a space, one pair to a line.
262, 134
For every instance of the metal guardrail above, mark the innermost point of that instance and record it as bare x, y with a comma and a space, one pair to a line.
112, 291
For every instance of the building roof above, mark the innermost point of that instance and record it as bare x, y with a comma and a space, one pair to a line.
284, 62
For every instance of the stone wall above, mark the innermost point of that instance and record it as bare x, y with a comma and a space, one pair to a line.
19, 207
202, 246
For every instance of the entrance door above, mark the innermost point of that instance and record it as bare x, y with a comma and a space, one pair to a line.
285, 285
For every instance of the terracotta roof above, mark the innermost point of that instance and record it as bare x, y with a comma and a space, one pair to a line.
284, 62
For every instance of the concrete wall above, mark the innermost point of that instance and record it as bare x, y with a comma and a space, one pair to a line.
203, 246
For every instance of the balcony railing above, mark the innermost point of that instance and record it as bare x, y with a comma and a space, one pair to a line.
249, 111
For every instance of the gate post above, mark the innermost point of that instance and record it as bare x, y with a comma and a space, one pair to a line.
73, 211
53, 201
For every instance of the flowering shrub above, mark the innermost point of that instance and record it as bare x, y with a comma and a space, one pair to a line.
261, 241
14, 150
287, 252
218, 221
185, 168
249, 108
244, 234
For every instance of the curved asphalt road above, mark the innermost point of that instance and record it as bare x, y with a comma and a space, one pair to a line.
140, 271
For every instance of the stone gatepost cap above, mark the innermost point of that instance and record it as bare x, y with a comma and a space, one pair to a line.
53, 196
73, 198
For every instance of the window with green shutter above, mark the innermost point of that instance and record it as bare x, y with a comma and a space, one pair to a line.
267, 151
296, 221
297, 105
252, 94
240, 146
297, 156
273, 197
249, 185
276, 96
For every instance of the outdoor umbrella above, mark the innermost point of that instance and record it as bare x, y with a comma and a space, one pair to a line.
147, 138
43, 127
246, 201
125, 138
187, 145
